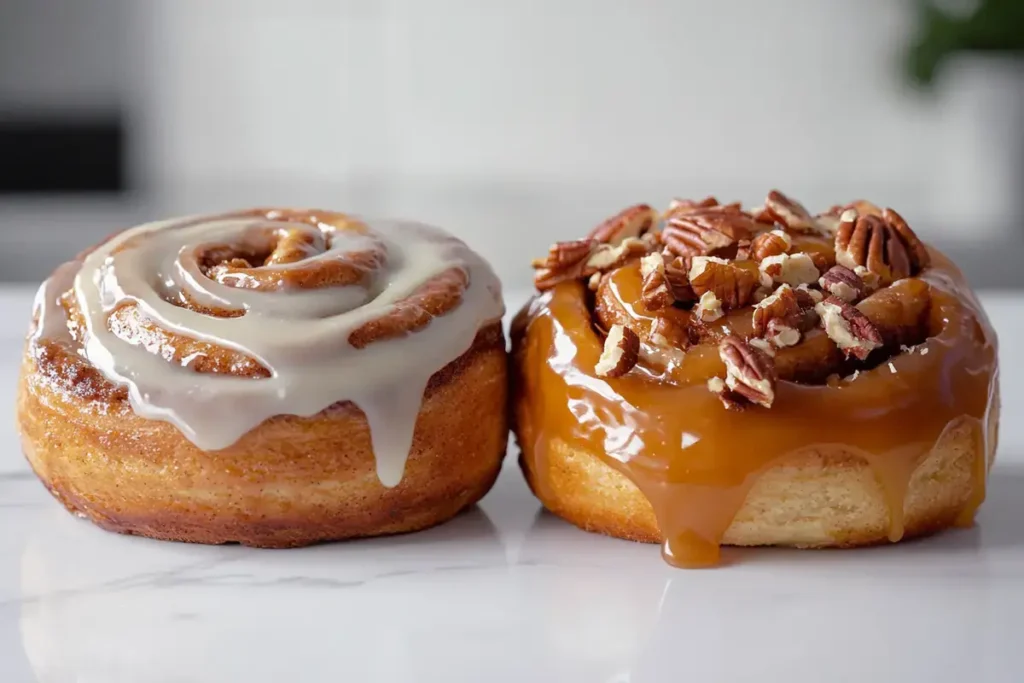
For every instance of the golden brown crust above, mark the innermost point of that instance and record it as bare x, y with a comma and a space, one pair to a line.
289, 482
825, 497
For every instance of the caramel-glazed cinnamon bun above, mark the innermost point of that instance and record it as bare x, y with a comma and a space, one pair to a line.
268, 377
713, 375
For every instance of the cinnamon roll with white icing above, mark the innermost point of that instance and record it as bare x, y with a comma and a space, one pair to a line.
269, 377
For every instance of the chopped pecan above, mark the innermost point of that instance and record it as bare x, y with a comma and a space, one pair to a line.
655, 291
621, 352
581, 259
652, 239
827, 222
749, 372
780, 305
871, 280
861, 206
665, 344
709, 308
743, 250
762, 345
843, 283
781, 334
716, 385
565, 261
807, 296
791, 269
784, 316
707, 231
562, 254
771, 243
919, 258
778, 208
667, 333
808, 299
733, 286
607, 257
820, 260
870, 242
762, 292
677, 274
850, 329
680, 207
633, 222
730, 399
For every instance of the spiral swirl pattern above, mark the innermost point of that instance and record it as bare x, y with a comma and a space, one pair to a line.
217, 323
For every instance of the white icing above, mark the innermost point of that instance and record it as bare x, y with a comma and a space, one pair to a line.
299, 335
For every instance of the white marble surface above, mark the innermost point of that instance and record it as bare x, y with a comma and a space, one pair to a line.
506, 593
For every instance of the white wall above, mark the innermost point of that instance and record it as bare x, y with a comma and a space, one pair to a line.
60, 54
515, 123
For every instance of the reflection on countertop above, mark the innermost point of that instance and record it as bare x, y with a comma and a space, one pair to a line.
502, 593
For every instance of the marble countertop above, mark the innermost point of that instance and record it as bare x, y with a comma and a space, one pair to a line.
506, 593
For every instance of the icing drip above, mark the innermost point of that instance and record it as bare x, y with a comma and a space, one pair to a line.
291, 313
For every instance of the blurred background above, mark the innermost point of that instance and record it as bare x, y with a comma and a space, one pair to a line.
512, 124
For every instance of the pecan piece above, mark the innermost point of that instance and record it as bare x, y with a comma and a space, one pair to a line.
850, 329
820, 260
870, 242
633, 222
655, 291
827, 222
843, 283
621, 352
582, 259
808, 299
919, 258
733, 286
680, 207
791, 269
782, 317
665, 344
709, 308
749, 372
607, 257
652, 239
807, 296
778, 208
665, 332
743, 250
861, 206
871, 280
762, 345
677, 275
771, 243
782, 334
730, 399
565, 261
707, 231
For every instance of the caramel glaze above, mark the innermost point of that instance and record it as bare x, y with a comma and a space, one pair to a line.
695, 461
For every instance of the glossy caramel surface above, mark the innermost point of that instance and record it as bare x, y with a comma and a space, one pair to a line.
695, 461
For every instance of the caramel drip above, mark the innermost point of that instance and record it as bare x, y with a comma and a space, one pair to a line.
696, 462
